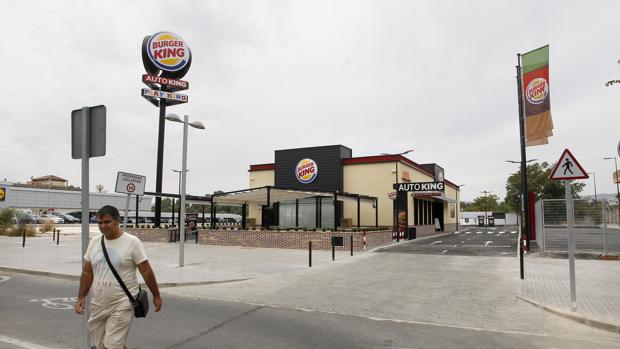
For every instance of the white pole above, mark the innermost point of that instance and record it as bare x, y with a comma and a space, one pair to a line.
571, 244
604, 217
183, 175
126, 211
85, 210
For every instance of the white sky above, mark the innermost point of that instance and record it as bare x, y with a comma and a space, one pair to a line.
376, 76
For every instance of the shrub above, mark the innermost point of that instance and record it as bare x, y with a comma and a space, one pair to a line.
47, 225
19, 230
6, 220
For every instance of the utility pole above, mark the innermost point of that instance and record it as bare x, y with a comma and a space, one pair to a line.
485, 206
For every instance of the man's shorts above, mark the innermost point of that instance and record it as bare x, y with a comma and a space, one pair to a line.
109, 325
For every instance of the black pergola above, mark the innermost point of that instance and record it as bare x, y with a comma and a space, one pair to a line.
267, 195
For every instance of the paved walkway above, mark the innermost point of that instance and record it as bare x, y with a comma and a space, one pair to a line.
547, 283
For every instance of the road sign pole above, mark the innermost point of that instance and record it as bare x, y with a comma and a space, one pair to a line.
85, 152
571, 243
126, 211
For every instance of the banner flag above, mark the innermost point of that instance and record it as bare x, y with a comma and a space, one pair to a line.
536, 101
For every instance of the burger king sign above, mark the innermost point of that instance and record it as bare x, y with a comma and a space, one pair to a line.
166, 52
306, 171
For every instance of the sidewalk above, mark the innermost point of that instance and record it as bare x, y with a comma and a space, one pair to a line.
547, 284
203, 264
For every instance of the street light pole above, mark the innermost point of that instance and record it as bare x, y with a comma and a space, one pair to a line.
617, 185
485, 206
179, 172
595, 197
198, 125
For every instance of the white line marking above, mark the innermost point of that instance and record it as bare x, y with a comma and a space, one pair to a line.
456, 232
490, 232
501, 232
487, 243
468, 232
4, 278
513, 232
462, 242
444, 251
21, 343
436, 242
478, 232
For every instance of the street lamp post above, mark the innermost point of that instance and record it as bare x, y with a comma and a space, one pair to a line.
179, 172
458, 204
485, 206
198, 125
396, 203
617, 187
595, 197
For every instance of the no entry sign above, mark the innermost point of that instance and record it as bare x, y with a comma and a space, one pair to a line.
128, 183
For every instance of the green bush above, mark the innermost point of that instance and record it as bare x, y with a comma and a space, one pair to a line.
6, 220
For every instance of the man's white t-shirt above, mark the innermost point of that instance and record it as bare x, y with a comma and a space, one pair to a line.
125, 253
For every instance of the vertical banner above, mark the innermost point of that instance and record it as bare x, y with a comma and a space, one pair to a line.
536, 101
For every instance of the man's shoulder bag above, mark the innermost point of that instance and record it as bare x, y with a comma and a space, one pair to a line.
140, 302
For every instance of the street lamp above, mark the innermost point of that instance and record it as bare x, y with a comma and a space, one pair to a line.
179, 172
396, 203
617, 187
485, 206
595, 197
458, 204
201, 126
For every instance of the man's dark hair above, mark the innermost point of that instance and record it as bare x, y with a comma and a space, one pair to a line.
111, 210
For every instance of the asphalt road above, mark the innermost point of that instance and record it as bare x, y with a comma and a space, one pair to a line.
496, 241
37, 313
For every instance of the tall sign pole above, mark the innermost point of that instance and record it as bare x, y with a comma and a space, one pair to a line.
526, 197
166, 58
568, 169
88, 133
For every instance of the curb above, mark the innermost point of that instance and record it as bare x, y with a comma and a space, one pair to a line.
601, 325
77, 278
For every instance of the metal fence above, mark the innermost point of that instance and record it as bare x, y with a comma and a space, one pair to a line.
595, 225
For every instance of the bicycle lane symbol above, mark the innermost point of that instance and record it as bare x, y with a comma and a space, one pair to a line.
59, 303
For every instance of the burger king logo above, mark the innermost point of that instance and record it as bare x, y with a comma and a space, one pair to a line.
168, 52
306, 171
537, 91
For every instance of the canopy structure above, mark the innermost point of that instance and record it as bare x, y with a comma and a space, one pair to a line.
270, 194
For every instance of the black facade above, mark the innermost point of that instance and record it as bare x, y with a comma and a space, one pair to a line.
328, 161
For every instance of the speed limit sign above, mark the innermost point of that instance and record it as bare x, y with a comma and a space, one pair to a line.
131, 187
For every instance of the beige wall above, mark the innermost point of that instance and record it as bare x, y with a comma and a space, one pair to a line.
259, 179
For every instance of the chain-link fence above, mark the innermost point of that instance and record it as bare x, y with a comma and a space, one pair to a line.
595, 225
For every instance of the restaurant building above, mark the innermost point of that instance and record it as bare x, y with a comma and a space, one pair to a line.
342, 191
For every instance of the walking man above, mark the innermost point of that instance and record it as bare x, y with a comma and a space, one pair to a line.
111, 312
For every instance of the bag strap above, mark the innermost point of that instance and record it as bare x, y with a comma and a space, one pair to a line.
118, 278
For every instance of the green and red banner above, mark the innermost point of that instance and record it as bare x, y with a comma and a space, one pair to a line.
535, 93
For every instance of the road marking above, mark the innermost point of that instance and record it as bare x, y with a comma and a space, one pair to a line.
456, 232
501, 232
487, 243
20, 343
436, 242
490, 232
513, 232
468, 232
444, 251
478, 232
4, 278
462, 242
56, 303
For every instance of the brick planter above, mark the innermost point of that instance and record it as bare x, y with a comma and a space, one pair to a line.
272, 239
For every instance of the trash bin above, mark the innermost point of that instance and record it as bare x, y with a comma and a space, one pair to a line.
411, 234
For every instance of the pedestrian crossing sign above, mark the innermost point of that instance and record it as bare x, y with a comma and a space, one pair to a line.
568, 168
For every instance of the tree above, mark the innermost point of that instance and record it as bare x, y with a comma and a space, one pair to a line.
100, 189
482, 203
538, 182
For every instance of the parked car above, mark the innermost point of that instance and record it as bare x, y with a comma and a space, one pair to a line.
70, 219
55, 219
25, 218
